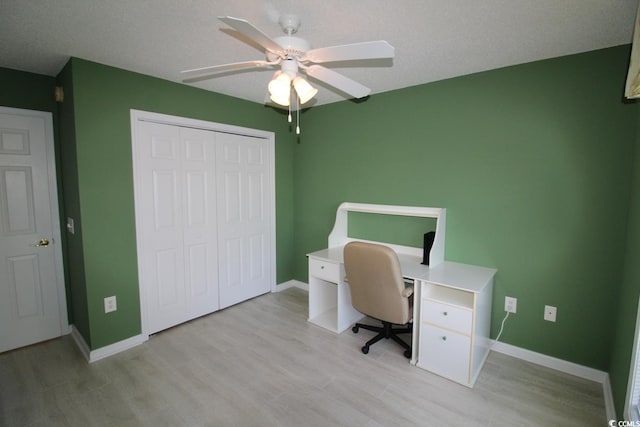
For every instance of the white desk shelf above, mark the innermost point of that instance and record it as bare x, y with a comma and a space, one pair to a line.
329, 296
339, 235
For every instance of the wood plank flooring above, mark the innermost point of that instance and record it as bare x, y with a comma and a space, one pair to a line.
260, 363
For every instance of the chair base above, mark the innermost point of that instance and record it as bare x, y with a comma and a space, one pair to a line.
385, 331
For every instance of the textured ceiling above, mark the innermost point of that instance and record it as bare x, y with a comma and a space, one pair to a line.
433, 39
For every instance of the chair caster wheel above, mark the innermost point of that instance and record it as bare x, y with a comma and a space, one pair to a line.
355, 329
407, 354
365, 349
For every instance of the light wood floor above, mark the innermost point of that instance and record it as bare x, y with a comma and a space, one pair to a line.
260, 363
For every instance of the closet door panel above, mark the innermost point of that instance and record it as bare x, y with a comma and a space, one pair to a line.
165, 206
231, 198
179, 237
199, 228
233, 264
167, 274
163, 257
197, 271
256, 260
243, 222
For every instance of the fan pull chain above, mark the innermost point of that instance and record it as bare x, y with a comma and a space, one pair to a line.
289, 116
298, 117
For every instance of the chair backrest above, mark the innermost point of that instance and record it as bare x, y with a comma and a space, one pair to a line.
376, 283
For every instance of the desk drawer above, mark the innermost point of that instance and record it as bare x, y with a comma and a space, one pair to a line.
447, 316
324, 270
445, 353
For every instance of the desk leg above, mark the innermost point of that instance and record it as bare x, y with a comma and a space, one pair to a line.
347, 315
415, 336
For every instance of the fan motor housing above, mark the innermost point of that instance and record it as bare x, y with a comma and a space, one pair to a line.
293, 46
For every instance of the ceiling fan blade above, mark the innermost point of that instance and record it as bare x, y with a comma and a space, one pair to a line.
253, 33
367, 50
337, 80
208, 72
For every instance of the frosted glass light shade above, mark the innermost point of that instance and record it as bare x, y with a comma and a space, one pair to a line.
281, 100
280, 85
304, 90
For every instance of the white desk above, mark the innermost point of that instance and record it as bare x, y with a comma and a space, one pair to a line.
452, 310
329, 295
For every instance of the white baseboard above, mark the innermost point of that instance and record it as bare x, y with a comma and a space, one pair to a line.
80, 342
106, 351
609, 404
550, 362
291, 284
563, 366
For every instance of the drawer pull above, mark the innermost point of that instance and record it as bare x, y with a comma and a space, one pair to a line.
322, 267
444, 338
444, 313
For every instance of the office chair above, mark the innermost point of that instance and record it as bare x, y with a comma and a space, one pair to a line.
378, 290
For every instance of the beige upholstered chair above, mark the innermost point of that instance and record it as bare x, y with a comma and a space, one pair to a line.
378, 290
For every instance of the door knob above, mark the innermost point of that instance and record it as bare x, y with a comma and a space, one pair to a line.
42, 242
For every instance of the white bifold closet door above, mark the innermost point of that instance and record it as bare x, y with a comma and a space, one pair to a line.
179, 233
243, 218
205, 236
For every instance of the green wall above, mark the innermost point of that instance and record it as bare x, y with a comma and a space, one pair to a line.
625, 310
102, 99
74, 256
19, 89
533, 164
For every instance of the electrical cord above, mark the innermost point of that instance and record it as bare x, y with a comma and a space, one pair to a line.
501, 328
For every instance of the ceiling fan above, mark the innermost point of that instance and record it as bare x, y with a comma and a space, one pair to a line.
292, 56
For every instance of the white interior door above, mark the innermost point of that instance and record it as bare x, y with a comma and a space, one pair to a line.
244, 215
32, 298
175, 200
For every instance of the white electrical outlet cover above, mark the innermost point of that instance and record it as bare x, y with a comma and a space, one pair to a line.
110, 304
70, 226
550, 313
510, 304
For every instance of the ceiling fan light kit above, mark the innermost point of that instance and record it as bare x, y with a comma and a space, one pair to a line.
280, 85
294, 54
304, 90
285, 101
